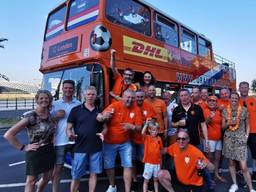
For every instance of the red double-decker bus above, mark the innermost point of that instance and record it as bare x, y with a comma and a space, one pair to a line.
79, 34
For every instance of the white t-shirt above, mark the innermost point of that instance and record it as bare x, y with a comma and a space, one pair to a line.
61, 136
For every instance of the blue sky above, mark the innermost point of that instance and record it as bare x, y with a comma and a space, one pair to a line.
229, 24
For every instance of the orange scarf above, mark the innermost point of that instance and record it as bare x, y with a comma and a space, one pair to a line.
237, 119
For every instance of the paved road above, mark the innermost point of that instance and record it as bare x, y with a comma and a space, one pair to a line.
12, 169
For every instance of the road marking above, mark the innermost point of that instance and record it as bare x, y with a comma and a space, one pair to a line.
10, 185
17, 163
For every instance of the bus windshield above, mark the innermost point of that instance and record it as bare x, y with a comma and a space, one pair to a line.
90, 74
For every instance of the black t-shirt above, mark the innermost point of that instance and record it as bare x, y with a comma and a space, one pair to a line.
194, 116
85, 127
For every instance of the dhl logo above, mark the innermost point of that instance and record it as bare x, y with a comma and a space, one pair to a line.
143, 49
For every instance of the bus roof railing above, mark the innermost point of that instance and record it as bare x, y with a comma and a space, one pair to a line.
223, 61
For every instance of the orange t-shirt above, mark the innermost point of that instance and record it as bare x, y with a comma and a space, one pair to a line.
119, 86
203, 104
116, 134
160, 108
152, 149
147, 112
251, 107
214, 127
224, 103
185, 163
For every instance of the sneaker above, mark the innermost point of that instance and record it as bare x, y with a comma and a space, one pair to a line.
111, 189
233, 188
252, 190
253, 176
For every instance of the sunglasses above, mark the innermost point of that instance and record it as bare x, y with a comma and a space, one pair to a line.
181, 138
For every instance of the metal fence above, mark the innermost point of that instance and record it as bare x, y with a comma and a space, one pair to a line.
17, 104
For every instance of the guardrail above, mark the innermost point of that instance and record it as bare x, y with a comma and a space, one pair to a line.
17, 104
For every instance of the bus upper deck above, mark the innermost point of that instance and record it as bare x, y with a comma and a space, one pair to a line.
80, 32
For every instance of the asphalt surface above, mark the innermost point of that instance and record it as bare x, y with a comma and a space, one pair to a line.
12, 172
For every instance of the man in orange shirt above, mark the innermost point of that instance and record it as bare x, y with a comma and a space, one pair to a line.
204, 94
189, 161
147, 112
223, 102
126, 118
213, 119
121, 83
250, 103
160, 109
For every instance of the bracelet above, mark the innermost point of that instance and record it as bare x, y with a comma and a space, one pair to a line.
22, 147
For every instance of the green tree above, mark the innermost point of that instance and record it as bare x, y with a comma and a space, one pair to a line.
254, 85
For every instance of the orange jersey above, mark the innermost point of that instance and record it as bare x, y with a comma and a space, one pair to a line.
119, 86
160, 108
147, 112
251, 107
152, 149
214, 126
224, 103
185, 163
116, 134
203, 104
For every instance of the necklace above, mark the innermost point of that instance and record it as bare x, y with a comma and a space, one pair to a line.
234, 121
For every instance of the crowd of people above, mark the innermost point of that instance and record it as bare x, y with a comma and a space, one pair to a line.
180, 142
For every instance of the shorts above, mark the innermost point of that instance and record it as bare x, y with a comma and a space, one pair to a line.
84, 163
60, 152
110, 151
252, 144
137, 151
215, 145
182, 187
40, 161
151, 169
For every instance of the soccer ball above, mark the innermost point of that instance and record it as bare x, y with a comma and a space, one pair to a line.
100, 38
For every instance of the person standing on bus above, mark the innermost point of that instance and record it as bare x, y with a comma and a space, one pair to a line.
40, 156
121, 83
83, 127
60, 110
148, 79
250, 103
126, 118
160, 109
147, 112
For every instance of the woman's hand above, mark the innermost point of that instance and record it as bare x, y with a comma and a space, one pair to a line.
31, 147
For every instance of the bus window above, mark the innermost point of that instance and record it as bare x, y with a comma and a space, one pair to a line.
204, 48
188, 41
165, 30
130, 14
90, 74
55, 23
82, 12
